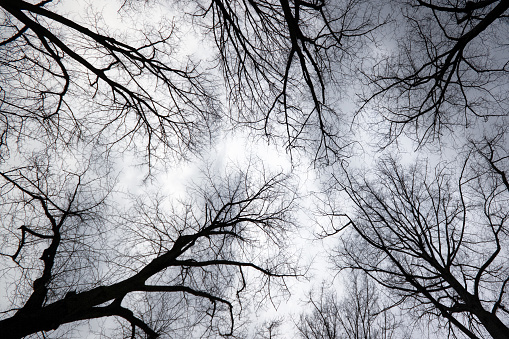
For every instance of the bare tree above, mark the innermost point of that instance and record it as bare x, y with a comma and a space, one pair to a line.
359, 314
270, 329
73, 96
66, 81
73, 262
449, 67
278, 60
283, 60
437, 238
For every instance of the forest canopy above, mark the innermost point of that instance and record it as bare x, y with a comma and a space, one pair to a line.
176, 168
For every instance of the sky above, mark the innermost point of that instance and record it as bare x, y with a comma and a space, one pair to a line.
233, 146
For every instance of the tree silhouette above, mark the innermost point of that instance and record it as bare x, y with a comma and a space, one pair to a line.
95, 261
51, 62
358, 314
78, 101
449, 68
282, 59
437, 239
75, 100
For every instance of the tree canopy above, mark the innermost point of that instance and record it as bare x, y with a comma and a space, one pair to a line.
399, 109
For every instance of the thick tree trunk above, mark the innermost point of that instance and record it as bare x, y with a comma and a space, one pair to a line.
496, 328
28, 322
71, 308
84, 305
